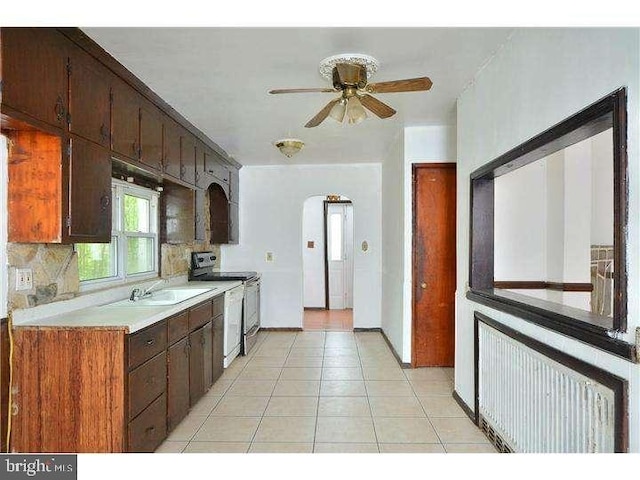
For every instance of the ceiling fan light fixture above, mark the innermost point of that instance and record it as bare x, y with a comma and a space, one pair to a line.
289, 146
338, 111
355, 111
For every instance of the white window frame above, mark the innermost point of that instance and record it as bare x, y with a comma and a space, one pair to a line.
119, 189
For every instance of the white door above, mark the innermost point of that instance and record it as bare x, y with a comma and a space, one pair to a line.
340, 255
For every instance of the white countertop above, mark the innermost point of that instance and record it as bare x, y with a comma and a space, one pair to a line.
131, 318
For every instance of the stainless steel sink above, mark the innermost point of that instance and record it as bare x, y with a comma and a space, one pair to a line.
168, 296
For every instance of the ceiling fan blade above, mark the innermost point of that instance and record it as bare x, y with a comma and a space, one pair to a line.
302, 90
322, 114
382, 110
349, 74
408, 85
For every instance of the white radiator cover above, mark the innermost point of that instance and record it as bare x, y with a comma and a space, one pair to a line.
538, 405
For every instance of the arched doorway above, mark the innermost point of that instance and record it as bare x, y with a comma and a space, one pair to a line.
327, 251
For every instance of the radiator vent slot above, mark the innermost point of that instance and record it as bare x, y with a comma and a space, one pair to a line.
529, 402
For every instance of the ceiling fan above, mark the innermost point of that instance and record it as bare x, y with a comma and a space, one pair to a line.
349, 74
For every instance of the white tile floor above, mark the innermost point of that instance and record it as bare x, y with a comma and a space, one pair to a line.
327, 392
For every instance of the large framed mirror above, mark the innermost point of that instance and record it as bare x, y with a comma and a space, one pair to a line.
548, 223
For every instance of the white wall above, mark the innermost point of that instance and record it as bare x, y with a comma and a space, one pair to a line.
433, 144
271, 209
313, 258
535, 81
520, 224
393, 234
4, 157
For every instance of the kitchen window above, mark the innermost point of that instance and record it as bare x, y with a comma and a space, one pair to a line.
133, 251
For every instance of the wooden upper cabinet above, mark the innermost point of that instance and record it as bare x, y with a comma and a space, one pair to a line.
89, 98
171, 160
201, 153
89, 218
34, 73
125, 111
216, 167
188, 158
218, 214
151, 126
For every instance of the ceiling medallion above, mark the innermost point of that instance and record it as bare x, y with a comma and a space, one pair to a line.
367, 61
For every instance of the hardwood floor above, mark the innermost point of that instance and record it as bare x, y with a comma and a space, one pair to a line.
329, 320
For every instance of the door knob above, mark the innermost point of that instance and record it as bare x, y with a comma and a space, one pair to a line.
423, 285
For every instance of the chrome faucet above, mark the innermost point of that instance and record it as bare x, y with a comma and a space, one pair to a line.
137, 293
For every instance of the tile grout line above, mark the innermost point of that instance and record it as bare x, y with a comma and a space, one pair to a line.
373, 423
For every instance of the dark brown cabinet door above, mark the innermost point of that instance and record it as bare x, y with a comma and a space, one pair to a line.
89, 98
177, 382
234, 223
125, 134
172, 134
196, 365
218, 347
34, 73
89, 193
207, 344
216, 167
150, 135
201, 152
188, 158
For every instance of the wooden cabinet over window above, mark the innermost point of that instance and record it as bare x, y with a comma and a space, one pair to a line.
125, 138
188, 158
172, 136
89, 98
151, 127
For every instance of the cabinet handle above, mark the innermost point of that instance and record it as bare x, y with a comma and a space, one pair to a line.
105, 201
160, 165
136, 150
59, 109
183, 170
150, 429
197, 176
151, 341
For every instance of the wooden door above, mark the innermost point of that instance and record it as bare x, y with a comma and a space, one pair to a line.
196, 365
34, 73
171, 162
218, 348
177, 382
434, 264
125, 134
150, 135
90, 209
89, 98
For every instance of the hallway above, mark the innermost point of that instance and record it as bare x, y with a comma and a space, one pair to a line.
315, 392
328, 320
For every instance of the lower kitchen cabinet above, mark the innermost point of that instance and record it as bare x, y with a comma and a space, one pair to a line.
177, 382
99, 389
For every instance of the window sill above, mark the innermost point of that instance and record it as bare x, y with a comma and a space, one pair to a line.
594, 330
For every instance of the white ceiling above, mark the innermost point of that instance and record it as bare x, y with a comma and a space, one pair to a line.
218, 78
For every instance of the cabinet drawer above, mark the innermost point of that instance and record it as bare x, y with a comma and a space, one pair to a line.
147, 382
200, 315
218, 305
147, 343
178, 327
148, 431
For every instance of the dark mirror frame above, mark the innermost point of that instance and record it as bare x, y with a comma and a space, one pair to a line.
608, 112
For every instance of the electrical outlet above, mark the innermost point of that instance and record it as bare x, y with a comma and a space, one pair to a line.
24, 279
269, 257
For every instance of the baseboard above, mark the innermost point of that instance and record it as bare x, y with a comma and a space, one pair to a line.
281, 329
315, 308
465, 407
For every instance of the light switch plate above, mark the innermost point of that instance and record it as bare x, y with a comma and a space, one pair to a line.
269, 257
24, 279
